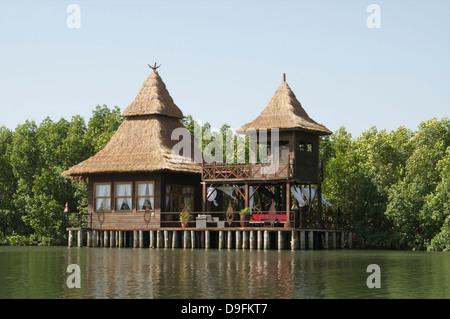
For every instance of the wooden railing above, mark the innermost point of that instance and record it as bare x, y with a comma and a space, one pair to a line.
226, 171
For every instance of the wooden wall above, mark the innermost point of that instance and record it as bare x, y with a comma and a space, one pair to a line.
137, 219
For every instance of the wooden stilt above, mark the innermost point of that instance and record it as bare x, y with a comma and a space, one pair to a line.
106, 239
80, 238
207, 239
238, 239
70, 239
260, 240
244, 239
311, 239
221, 240
266, 240
252, 240
230, 239
120, 238
302, 239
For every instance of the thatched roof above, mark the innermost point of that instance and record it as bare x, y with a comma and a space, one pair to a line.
142, 143
284, 111
153, 98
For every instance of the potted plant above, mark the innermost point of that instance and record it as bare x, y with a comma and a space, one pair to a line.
185, 217
245, 216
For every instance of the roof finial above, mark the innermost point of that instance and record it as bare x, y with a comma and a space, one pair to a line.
154, 67
284, 77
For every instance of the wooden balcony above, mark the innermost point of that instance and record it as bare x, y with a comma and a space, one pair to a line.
247, 172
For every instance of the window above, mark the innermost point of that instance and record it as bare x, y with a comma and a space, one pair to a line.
302, 146
179, 197
123, 196
102, 196
144, 195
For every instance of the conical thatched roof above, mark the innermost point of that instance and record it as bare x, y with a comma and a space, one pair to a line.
284, 111
153, 98
142, 143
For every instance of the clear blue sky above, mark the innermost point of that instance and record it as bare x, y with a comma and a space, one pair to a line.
223, 60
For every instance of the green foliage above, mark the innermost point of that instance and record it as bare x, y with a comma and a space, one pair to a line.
33, 193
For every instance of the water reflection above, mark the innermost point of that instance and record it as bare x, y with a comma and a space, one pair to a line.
36, 272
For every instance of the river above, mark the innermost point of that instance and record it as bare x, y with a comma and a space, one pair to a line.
41, 273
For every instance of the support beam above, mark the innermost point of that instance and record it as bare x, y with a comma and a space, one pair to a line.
135, 239
106, 242
120, 238
207, 239
244, 239
252, 240
326, 242
89, 238
311, 239
260, 240
230, 239
152, 239
186, 239
238, 239
166, 239
221, 243
342, 240
350, 240
294, 240
280, 240
266, 240
302, 239
70, 239
175, 239
80, 238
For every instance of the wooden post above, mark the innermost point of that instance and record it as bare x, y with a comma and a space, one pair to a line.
288, 203
221, 241
203, 197
186, 239
302, 239
120, 238
244, 239
280, 240
70, 240
294, 240
166, 239
238, 240
266, 240
175, 239
207, 239
80, 238
246, 199
89, 238
230, 239
152, 239
252, 240
326, 240
106, 238
260, 239
135, 239
311, 239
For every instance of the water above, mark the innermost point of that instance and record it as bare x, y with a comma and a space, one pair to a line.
40, 272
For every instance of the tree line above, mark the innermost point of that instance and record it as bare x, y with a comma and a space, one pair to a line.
391, 188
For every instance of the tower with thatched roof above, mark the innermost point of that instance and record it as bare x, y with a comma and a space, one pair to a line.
293, 161
136, 180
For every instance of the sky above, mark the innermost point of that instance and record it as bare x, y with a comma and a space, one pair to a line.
222, 61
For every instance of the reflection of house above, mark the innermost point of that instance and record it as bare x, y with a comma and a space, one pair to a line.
136, 170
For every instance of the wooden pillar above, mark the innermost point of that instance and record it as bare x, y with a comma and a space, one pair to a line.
238, 240
246, 199
204, 197
70, 239
294, 240
288, 203
106, 242
120, 238
252, 240
152, 239
260, 239
207, 239
175, 239
266, 240
112, 239
101, 238
244, 239
302, 239
166, 239
311, 239
280, 240
80, 238
221, 239
230, 239
326, 240
342, 240
159, 239
202, 239
89, 238
187, 239
135, 239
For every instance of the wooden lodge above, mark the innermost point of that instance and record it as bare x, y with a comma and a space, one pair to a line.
141, 194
